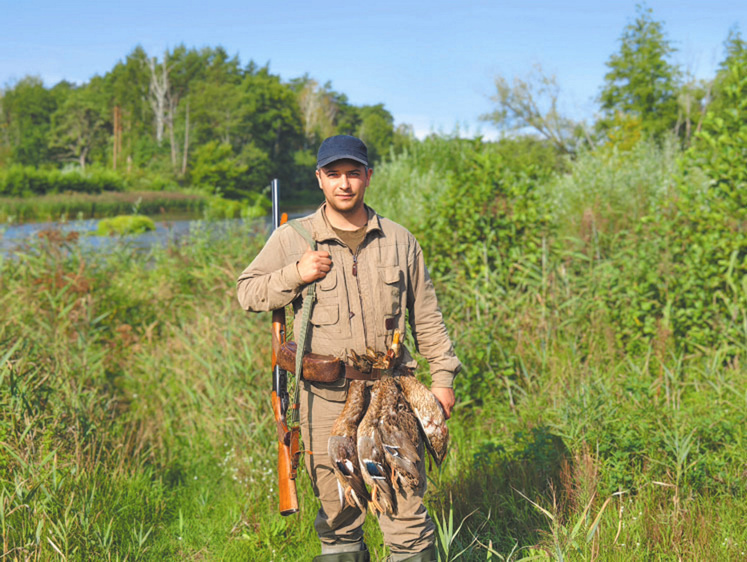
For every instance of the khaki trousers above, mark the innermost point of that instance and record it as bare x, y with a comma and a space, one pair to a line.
410, 531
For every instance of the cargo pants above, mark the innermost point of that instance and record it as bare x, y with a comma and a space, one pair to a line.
410, 531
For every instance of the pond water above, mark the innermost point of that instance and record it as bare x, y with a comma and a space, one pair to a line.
14, 237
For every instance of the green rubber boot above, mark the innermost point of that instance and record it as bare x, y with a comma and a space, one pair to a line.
427, 555
354, 556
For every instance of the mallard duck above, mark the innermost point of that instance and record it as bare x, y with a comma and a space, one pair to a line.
343, 450
430, 416
373, 462
398, 430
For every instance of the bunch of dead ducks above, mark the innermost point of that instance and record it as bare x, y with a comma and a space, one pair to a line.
375, 440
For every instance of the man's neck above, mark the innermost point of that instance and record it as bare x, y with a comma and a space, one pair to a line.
353, 221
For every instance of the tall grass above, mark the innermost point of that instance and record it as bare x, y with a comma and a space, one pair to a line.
135, 420
68, 206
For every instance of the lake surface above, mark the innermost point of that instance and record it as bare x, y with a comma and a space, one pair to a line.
15, 237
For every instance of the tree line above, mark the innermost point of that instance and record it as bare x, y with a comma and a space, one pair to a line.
643, 94
198, 117
192, 117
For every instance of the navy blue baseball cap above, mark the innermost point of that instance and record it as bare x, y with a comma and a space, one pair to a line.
342, 147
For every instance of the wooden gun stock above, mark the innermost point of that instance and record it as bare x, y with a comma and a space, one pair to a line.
288, 442
289, 451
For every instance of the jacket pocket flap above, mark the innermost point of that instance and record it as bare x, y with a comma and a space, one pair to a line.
389, 275
325, 314
329, 282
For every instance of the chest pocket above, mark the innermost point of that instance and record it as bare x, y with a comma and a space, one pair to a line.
325, 314
390, 297
329, 309
327, 284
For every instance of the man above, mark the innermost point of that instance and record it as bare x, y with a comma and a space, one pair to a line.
368, 272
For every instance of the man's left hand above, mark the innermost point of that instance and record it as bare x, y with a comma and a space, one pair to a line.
446, 397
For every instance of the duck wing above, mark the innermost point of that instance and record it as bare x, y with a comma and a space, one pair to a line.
372, 460
343, 450
430, 416
398, 431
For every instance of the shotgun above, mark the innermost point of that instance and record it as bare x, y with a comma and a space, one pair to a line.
288, 437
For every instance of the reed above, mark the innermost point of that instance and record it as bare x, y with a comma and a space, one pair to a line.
135, 420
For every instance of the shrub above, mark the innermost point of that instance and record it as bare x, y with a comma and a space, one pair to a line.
25, 181
125, 224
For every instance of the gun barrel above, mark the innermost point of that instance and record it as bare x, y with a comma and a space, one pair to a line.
275, 193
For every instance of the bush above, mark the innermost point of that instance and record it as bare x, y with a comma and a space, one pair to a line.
255, 205
125, 224
26, 181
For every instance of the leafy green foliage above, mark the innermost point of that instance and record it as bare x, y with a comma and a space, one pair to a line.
173, 117
27, 110
216, 169
133, 408
19, 181
641, 82
62, 207
125, 224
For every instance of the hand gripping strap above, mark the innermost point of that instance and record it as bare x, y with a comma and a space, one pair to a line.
308, 302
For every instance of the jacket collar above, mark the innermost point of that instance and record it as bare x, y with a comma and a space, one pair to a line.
323, 232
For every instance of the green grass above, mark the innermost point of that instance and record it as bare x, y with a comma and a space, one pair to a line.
135, 420
108, 204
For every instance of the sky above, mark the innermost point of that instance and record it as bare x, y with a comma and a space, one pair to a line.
432, 63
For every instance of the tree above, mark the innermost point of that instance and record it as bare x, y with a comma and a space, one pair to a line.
691, 102
720, 146
159, 93
217, 170
532, 103
27, 109
376, 130
641, 83
728, 75
81, 124
318, 110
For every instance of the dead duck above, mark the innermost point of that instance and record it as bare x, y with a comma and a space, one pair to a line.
398, 430
373, 464
343, 448
430, 416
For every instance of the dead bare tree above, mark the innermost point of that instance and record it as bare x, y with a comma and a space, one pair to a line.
159, 93
318, 111
186, 140
532, 102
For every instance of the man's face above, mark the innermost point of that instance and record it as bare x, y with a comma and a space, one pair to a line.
344, 184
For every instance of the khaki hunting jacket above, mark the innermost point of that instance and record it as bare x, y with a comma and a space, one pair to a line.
353, 311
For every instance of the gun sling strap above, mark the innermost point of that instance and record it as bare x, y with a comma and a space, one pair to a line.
308, 303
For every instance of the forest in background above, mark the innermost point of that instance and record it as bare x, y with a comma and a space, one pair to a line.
191, 118
593, 278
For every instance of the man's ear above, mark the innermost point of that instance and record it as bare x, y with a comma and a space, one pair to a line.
319, 177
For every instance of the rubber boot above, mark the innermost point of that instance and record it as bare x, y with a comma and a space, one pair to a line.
360, 555
428, 555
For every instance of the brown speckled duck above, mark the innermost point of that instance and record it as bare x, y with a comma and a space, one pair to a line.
398, 431
372, 459
430, 416
343, 449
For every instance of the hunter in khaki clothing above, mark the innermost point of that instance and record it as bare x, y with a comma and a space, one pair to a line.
361, 297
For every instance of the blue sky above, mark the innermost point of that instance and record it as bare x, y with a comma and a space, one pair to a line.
431, 63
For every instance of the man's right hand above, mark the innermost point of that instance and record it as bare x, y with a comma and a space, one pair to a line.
314, 265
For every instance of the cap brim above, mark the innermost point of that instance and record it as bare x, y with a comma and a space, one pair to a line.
330, 159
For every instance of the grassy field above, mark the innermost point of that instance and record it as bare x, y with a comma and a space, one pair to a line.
96, 205
134, 393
